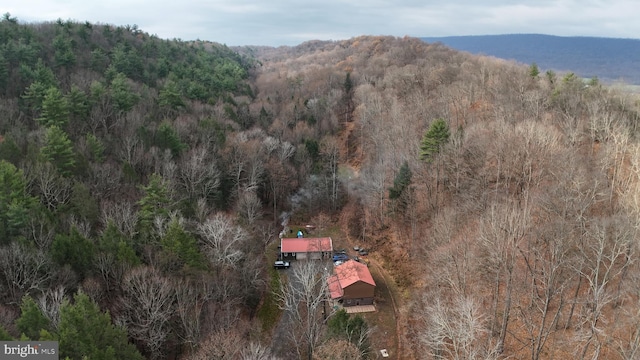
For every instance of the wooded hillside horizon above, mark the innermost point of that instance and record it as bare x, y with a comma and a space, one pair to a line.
145, 181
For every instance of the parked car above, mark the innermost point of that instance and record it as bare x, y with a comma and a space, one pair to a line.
356, 248
340, 251
340, 257
281, 265
363, 252
339, 262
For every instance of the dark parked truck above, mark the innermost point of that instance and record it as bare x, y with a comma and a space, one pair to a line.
340, 257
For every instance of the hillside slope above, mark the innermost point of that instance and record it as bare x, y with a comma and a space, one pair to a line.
117, 188
500, 236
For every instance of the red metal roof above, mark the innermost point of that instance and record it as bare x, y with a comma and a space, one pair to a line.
334, 287
300, 245
346, 274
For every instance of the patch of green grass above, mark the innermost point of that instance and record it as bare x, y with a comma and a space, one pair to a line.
333, 232
269, 312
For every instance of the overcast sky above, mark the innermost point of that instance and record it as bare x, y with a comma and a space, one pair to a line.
290, 22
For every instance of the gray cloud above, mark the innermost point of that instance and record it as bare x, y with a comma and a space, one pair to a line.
290, 22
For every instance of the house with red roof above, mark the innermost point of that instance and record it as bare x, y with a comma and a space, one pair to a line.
306, 248
352, 284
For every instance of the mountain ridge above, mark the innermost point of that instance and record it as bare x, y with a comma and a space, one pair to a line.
608, 59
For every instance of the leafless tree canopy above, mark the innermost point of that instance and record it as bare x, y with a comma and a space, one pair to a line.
516, 239
302, 298
147, 304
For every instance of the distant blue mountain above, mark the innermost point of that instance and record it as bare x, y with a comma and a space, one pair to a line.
608, 59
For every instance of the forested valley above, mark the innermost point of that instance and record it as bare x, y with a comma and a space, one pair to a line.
144, 182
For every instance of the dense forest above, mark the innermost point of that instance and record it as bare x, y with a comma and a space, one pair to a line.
145, 181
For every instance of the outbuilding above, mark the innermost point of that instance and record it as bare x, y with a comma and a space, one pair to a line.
352, 284
306, 248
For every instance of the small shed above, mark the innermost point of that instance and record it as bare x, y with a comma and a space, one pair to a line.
306, 248
352, 284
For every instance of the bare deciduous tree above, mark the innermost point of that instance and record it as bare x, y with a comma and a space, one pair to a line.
614, 162
94, 289
53, 188
131, 149
49, 303
83, 226
627, 325
23, 270
627, 343
337, 350
202, 210
302, 297
190, 300
548, 258
281, 180
199, 176
41, 231
122, 215
247, 160
147, 306
106, 179
457, 331
374, 193
249, 206
501, 232
222, 345
222, 240
606, 255
330, 150
256, 351
286, 151
111, 269
8, 316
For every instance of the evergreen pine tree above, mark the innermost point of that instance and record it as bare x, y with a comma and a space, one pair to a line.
64, 55
58, 150
401, 181
4, 70
74, 250
167, 138
154, 203
78, 104
180, 248
31, 320
96, 148
86, 332
170, 97
434, 139
534, 71
115, 243
4, 334
55, 109
123, 96
15, 202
